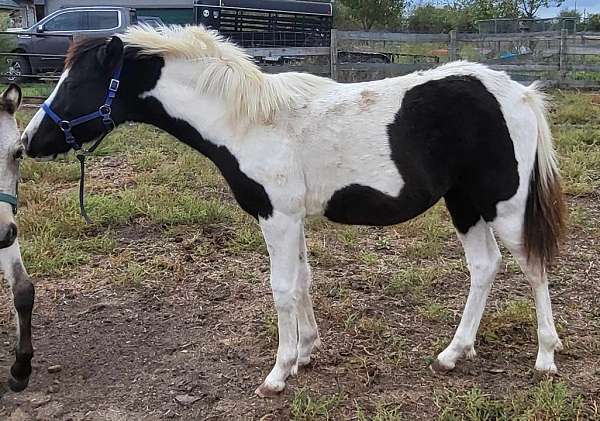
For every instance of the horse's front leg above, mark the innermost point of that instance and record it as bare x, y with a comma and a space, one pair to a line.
281, 232
23, 298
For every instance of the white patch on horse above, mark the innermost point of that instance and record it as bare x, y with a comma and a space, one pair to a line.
35, 122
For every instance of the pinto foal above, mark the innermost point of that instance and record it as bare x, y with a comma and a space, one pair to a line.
11, 151
293, 145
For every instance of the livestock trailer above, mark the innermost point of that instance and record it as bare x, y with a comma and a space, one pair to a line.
268, 23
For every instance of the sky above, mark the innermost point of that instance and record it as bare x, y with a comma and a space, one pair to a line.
590, 6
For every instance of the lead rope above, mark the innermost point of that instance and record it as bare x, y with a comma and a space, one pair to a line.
104, 113
81, 158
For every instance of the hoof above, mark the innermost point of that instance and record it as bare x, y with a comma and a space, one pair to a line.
17, 385
437, 367
546, 369
268, 391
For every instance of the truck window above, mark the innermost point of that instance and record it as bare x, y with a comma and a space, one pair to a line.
102, 20
68, 21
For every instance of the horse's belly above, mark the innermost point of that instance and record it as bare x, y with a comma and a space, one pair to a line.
357, 204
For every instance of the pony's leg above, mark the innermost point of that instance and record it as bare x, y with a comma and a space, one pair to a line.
483, 260
509, 230
281, 233
308, 334
23, 298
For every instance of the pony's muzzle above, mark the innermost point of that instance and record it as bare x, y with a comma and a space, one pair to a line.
8, 234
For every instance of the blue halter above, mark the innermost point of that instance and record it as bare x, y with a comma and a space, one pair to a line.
104, 113
11, 200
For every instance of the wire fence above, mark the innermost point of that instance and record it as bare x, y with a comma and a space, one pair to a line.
560, 58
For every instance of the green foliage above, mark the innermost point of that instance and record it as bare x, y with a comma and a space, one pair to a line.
460, 15
593, 22
430, 18
372, 13
7, 42
570, 14
529, 8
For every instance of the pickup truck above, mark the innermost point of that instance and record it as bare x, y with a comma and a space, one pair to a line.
44, 43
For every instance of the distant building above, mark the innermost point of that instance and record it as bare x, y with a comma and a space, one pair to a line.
170, 11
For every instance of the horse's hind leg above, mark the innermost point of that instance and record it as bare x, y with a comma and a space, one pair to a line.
308, 334
483, 260
509, 229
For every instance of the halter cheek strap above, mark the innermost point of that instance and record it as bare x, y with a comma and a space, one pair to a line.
103, 113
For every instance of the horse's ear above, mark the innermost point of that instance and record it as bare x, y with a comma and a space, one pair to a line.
110, 54
10, 100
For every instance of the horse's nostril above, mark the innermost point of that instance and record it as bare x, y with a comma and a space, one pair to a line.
8, 237
12, 232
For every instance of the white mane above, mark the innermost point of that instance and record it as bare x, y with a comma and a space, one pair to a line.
227, 71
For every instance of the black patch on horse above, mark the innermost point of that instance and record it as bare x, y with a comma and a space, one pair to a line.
449, 139
141, 75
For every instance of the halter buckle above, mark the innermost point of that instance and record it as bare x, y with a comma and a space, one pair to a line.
105, 110
114, 85
65, 126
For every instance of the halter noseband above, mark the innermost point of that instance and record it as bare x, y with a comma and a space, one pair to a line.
104, 113
11, 200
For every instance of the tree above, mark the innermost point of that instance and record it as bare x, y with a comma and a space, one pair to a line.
460, 15
570, 14
375, 12
7, 42
593, 22
430, 19
531, 7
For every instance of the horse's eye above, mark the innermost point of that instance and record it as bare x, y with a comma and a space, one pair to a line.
18, 153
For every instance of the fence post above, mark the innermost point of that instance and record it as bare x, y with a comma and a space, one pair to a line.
334, 54
562, 56
453, 46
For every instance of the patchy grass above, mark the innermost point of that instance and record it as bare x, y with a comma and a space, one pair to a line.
413, 280
547, 401
383, 412
515, 319
307, 407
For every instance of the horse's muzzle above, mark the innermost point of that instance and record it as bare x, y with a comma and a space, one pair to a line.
8, 235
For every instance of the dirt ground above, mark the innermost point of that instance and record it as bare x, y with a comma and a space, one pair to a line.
128, 354
171, 324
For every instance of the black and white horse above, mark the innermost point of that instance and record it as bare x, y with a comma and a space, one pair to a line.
11, 150
293, 145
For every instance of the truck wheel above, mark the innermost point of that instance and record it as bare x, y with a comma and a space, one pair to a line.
17, 66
